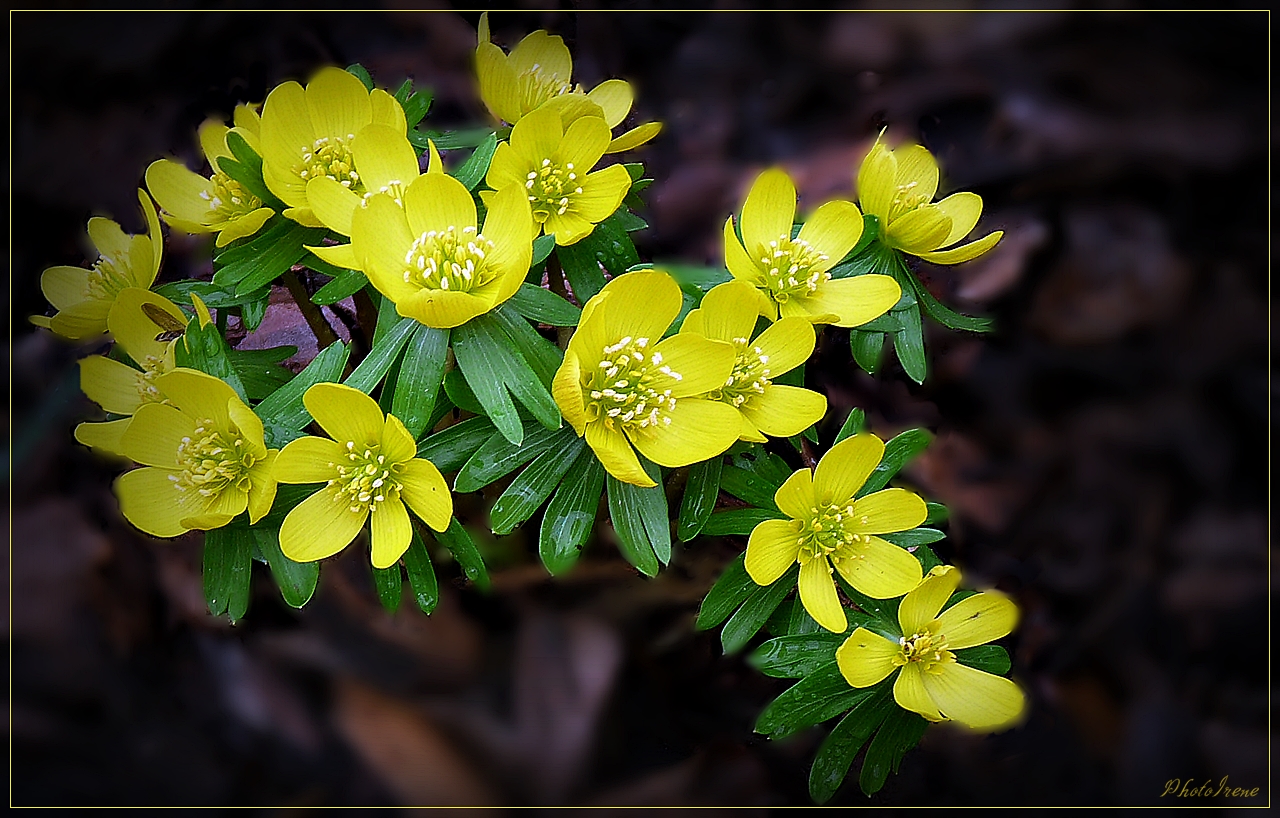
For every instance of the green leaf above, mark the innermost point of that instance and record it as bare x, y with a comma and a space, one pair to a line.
249, 172
868, 349
449, 140
755, 611
581, 270
738, 521
876, 615
270, 259
943, 314
450, 448
228, 561
770, 468
259, 371
693, 279
854, 423
422, 577
541, 305
203, 348
492, 367
542, 247
283, 413
345, 284
885, 323
470, 172
415, 105
390, 584
937, 513
458, 540
909, 345
421, 371
498, 456
814, 699
913, 538
991, 658
897, 453
729, 591
900, 732
358, 71
459, 393
700, 494
571, 514
831, 764
543, 357
749, 487
532, 487
378, 362
297, 580
213, 296
639, 516
791, 657
629, 221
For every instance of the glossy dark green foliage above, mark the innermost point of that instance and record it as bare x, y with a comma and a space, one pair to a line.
640, 519
282, 412
755, 611
385, 352
749, 486
345, 283
820, 695
493, 368
900, 731
541, 305
449, 140
463, 547
449, 448
203, 348
532, 487
853, 424
498, 456
796, 655
260, 370
253, 265
389, 583
738, 521
422, 576
838, 749
228, 561
898, 451
470, 172
571, 514
701, 490
608, 247
415, 103
418, 382
296, 580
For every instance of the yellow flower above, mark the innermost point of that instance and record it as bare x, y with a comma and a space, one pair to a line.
370, 471
218, 204
931, 682
308, 133
897, 187
728, 313
537, 73
83, 297
829, 528
794, 275
428, 257
138, 323
205, 457
550, 163
621, 385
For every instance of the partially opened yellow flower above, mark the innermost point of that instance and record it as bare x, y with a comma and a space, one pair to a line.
829, 529
897, 187
218, 204
205, 459
794, 275
931, 682
728, 313
537, 73
622, 386
550, 163
370, 471
308, 133
146, 326
430, 259
83, 297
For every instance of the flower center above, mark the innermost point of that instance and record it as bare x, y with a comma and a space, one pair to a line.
927, 648
365, 478
330, 156
550, 188
792, 267
628, 388
210, 460
537, 87
229, 199
394, 189
906, 200
749, 378
106, 279
830, 531
450, 259
152, 368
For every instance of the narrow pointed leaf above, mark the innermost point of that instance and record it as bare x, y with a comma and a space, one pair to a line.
532, 487
296, 580
571, 514
422, 577
700, 493
390, 584
755, 611
421, 371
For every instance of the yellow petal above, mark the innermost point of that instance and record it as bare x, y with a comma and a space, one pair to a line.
571, 107
701, 363
438, 202
87, 319
309, 460
155, 434
569, 227
545, 53
198, 395
866, 658
383, 156
583, 144
740, 265
964, 252
916, 164
242, 226
963, 209
641, 304
910, 693
920, 231
769, 210
262, 487
217, 510
178, 191
286, 132
320, 526
339, 255
843, 469
614, 98
507, 168
537, 135
250, 426
889, 510
443, 308
509, 224
64, 287
398, 445
699, 430
499, 87
978, 619
105, 437
110, 384
380, 239
152, 502
245, 117
635, 137
783, 411
921, 605
729, 311
833, 229
616, 455
108, 238
390, 532
881, 570
338, 103
345, 414
135, 330
771, 550
602, 191
876, 181
332, 203
212, 135
795, 497
787, 344
386, 110
423, 488
975, 698
855, 300
818, 595
566, 388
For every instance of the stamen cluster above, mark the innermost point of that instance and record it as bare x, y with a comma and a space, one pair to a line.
105, 280
211, 460
550, 187
750, 375
365, 478
905, 201
926, 648
450, 259
623, 390
788, 265
537, 87
229, 199
330, 156
826, 531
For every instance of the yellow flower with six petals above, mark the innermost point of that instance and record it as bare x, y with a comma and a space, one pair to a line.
897, 187
829, 529
371, 472
930, 680
205, 459
622, 386
793, 274
728, 313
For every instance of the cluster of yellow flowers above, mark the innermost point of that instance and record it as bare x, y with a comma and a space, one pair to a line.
336, 156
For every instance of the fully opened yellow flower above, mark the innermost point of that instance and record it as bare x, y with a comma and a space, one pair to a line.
931, 682
429, 258
829, 528
537, 73
307, 133
551, 163
83, 297
218, 204
205, 459
728, 313
370, 471
146, 326
794, 274
897, 187
621, 385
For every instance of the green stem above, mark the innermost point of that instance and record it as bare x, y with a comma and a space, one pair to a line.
314, 317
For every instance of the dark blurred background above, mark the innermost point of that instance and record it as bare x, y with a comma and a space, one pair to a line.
1104, 453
